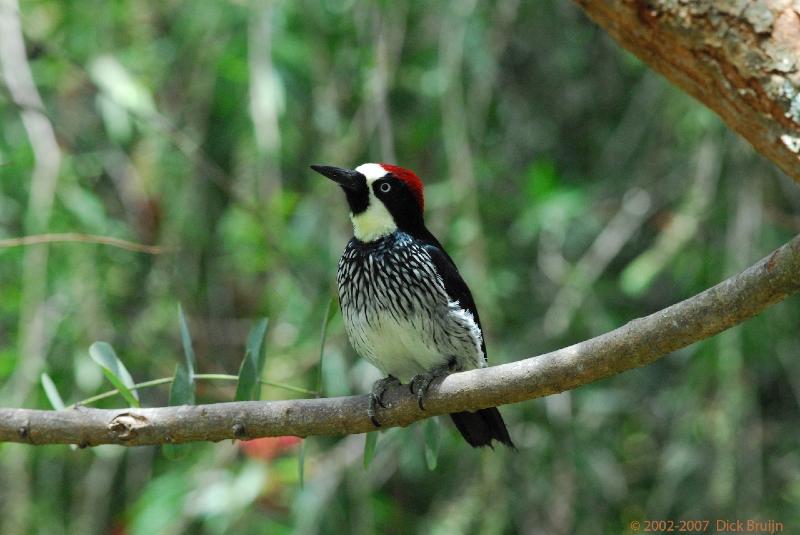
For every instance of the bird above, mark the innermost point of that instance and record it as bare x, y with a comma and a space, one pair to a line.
405, 306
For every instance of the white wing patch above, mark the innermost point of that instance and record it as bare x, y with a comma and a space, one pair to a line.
464, 317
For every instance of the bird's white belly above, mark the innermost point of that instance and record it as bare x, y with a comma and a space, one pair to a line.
397, 348
406, 346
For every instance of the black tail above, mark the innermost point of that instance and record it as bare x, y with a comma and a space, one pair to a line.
479, 428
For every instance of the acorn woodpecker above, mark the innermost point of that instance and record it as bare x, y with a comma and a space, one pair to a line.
406, 308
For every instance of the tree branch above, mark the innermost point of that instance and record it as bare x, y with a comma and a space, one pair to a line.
741, 59
82, 238
635, 344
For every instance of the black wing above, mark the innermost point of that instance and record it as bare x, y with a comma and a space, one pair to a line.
478, 428
454, 285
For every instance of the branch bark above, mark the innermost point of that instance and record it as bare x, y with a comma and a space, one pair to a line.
635, 344
739, 58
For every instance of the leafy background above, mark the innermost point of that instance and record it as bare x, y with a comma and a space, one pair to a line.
575, 189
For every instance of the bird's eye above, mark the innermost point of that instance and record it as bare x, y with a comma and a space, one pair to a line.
385, 187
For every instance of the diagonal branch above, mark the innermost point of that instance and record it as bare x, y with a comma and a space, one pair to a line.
741, 59
635, 344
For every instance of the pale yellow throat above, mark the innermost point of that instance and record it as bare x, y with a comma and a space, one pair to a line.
374, 223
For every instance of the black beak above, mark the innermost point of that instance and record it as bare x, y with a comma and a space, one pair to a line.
347, 178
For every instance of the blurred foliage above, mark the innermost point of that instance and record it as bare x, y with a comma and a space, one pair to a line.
576, 190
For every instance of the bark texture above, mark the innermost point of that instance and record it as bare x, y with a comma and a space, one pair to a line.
741, 58
635, 344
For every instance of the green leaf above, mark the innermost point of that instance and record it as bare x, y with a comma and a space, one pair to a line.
369, 448
541, 179
255, 344
52, 392
181, 391
431, 432
113, 368
183, 387
330, 313
249, 387
186, 339
248, 380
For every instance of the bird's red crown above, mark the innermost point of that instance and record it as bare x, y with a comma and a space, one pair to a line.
410, 179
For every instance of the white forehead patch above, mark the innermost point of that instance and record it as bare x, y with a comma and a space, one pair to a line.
373, 171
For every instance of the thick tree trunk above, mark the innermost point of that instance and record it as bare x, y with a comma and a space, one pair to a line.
741, 58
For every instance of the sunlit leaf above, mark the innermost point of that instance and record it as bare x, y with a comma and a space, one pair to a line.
640, 274
113, 368
255, 344
52, 392
186, 340
369, 448
183, 387
432, 434
116, 81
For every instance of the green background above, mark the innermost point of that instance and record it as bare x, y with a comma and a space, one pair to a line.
575, 189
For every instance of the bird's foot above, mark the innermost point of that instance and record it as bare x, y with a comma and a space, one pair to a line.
421, 382
376, 397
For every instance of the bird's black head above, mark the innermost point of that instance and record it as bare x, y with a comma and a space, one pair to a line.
382, 198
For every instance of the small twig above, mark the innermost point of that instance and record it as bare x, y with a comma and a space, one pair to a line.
73, 237
201, 376
112, 393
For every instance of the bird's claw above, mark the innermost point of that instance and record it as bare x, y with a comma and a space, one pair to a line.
376, 397
421, 382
